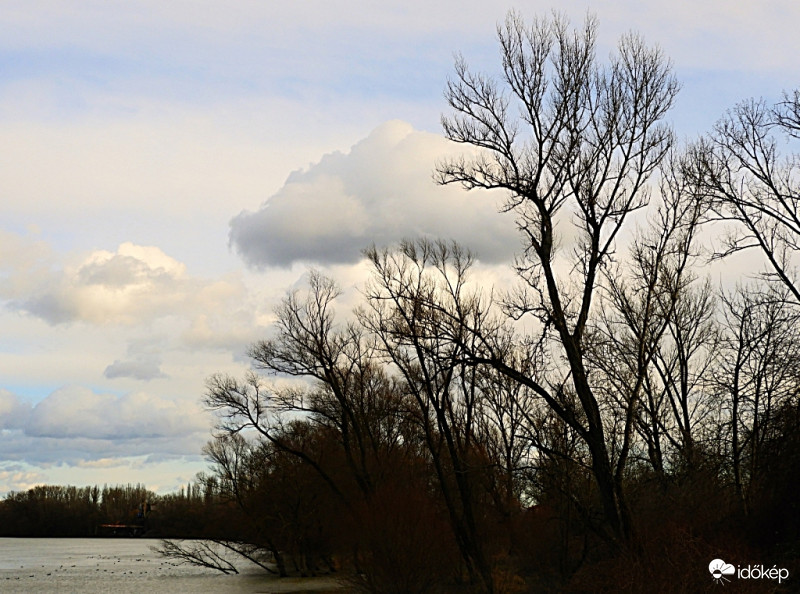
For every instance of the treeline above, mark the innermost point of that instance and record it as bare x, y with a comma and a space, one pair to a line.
68, 511
612, 423
406, 463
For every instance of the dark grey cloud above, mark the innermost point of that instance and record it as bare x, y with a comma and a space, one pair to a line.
75, 425
77, 412
143, 368
19, 447
380, 192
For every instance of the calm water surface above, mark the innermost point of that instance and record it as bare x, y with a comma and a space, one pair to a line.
120, 566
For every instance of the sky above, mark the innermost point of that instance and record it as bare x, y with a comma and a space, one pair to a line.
169, 170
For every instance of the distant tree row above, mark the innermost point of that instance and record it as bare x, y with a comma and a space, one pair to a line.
59, 511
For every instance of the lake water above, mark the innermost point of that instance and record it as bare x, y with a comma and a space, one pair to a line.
95, 565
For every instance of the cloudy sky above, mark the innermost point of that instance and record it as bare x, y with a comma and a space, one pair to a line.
169, 169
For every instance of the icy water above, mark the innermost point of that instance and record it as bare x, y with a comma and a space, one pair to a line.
120, 566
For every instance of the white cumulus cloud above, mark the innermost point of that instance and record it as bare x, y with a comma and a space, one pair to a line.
380, 192
135, 284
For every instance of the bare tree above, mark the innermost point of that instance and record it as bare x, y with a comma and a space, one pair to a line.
344, 389
508, 412
759, 373
567, 139
652, 326
683, 364
350, 392
424, 316
344, 419
239, 468
751, 184
200, 553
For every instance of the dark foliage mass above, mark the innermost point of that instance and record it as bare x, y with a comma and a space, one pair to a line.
611, 423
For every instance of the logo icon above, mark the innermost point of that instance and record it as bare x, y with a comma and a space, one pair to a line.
719, 569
